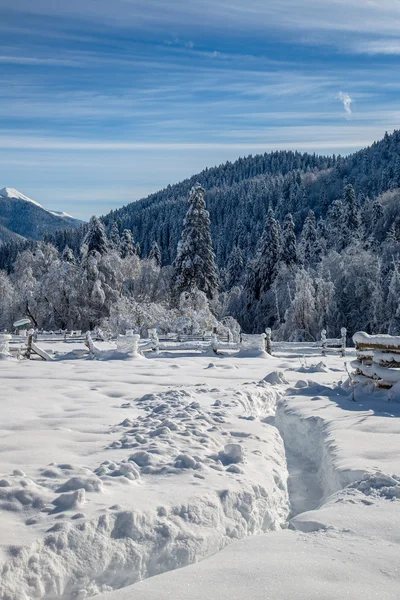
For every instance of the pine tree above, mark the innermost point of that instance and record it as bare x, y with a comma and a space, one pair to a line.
114, 237
352, 216
194, 266
336, 225
289, 245
310, 247
234, 268
265, 265
127, 247
155, 254
96, 238
68, 255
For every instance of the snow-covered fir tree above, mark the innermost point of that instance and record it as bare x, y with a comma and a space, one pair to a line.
155, 254
194, 266
265, 265
114, 237
289, 244
235, 266
68, 255
127, 246
96, 238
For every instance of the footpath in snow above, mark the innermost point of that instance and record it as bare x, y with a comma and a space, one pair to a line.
344, 465
289, 487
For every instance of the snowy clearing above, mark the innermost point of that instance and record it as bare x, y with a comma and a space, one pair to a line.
116, 471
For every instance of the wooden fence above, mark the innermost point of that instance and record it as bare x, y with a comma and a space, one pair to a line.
378, 359
335, 344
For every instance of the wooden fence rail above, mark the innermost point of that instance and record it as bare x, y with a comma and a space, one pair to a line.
378, 359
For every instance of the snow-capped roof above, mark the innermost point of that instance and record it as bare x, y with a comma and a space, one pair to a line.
7, 192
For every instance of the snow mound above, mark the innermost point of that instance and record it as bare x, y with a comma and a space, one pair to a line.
378, 485
275, 378
182, 445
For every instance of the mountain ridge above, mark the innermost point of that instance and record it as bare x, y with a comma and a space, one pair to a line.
22, 217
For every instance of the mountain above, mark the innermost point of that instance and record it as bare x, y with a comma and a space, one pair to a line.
238, 196
21, 216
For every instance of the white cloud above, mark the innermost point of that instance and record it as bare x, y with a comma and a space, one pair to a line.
347, 101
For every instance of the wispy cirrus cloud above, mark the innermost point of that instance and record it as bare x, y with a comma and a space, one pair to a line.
347, 102
91, 88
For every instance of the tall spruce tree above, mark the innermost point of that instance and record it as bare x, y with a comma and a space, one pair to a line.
96, 238
68, 255
310, 247
289, 245
114, 237
155, 254
352, 216
235, 268
194, 266
127, 247
265, 265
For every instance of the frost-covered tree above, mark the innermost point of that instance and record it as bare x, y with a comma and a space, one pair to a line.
352, 218
155, 254
127, 246
68, 256
266, 262
301, 316
393, 302
194, 266
114, 237
310, 247
289, 245
96, 238
7, 300
235, 266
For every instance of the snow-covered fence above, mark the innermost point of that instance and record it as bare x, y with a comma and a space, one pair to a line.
378, 359
338, 344
128, 343
5, 345
268, 341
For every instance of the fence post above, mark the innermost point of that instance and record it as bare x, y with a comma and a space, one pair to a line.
343, 332
155, 342
268, 346
29, 344
5, 344
323, 342
214, 343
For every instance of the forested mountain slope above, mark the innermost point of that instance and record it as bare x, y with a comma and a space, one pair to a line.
239, 194
302, 243
22, 216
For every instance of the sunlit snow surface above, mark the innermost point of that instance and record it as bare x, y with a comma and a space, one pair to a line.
115, 471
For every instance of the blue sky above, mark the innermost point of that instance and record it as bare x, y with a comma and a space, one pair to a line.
103, 102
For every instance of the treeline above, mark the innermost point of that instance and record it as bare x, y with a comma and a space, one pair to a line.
301, 242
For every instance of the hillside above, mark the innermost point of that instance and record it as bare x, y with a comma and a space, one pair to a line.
239, 194
24, 217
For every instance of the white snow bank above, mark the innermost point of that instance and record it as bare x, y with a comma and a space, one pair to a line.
381, 340
348, 546
187, 475
346, 549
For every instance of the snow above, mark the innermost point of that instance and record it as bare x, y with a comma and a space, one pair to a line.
12, 193
393, 341
58, 213
15, 194
261, 481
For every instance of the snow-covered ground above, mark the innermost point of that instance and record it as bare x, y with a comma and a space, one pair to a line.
112, 472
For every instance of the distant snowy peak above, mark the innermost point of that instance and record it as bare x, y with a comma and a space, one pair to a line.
58, 213
7, 192
14, 194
